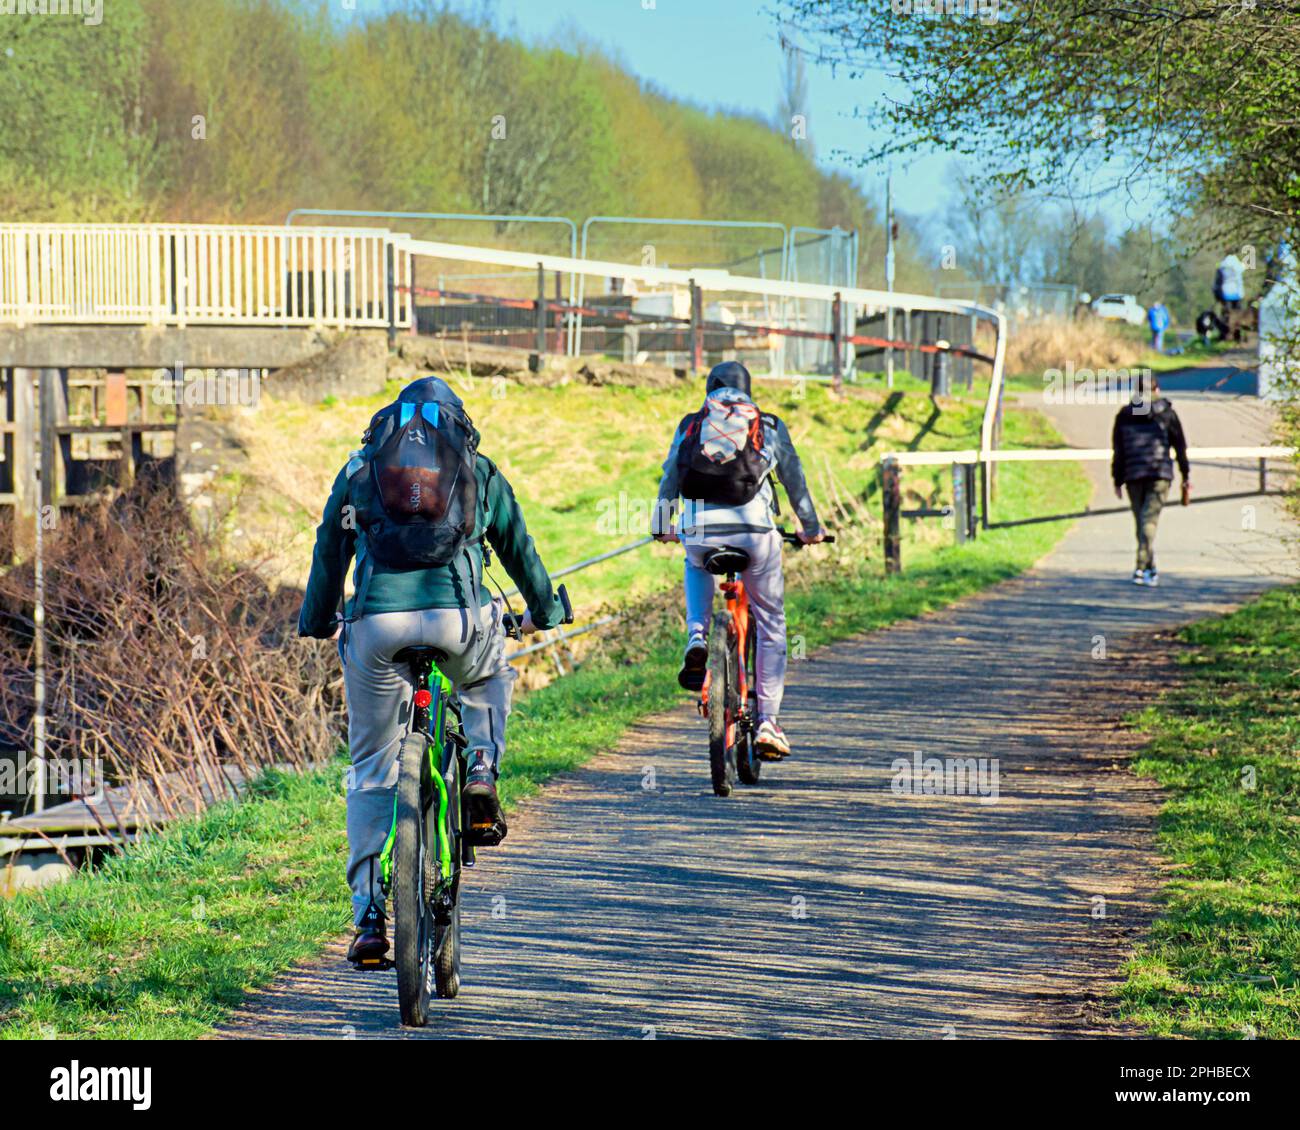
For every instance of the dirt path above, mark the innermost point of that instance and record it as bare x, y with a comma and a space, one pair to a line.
822, 903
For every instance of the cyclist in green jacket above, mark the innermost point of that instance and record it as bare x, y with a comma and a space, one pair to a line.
445, 607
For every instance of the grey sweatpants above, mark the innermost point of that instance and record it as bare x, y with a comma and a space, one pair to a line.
379, 715
765, 585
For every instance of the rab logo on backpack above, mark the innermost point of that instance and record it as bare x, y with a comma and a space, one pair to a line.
721, 458
418, 502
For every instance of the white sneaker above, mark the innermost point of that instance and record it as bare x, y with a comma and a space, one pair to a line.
1151, 578
1139, 577
771, 741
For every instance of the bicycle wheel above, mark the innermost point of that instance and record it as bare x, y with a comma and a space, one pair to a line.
748, 764
722, 754
446, 932
413, 914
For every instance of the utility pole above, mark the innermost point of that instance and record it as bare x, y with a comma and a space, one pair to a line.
889, 276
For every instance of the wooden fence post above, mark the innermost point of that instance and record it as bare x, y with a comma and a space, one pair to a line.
959, 507
390, 267
697, 333
540, 307
893, 499
837, 342
972, 526
54, 412
20, 454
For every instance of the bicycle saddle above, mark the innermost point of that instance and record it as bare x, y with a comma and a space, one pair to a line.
413, 655
726, 559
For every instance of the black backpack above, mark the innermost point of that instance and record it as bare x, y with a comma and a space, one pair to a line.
416, 495
721, 459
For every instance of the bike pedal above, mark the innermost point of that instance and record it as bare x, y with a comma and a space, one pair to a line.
373, 965
485, 835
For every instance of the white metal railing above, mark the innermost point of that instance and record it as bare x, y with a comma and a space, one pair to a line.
202, 274
1067, 454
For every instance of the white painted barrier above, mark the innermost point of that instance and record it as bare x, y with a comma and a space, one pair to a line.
202, 274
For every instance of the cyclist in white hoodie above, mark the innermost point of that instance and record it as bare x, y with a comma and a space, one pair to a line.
735, 508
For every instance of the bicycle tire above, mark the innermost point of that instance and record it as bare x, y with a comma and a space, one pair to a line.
412, 913
446, 934
722, 755
749, 766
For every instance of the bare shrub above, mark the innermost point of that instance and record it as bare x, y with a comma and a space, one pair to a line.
1052, 343
165, 660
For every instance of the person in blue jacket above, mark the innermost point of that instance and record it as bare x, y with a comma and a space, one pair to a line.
1158, 320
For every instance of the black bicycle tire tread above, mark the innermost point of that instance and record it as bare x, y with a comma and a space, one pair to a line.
411, 993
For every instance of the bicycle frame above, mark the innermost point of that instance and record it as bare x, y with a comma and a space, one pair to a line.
429, 717
737, 601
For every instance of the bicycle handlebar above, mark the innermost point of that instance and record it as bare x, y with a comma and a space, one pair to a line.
794, 540
513, 623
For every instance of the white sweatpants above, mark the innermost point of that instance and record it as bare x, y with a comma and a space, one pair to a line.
379, 700
765, 585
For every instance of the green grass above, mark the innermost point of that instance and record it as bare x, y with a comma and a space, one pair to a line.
1223, 958
162, 942
585, 461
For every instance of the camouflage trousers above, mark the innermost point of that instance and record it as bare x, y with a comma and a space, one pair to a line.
1147, 497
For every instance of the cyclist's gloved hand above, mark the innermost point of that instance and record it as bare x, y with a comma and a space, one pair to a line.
812, 538
527, 627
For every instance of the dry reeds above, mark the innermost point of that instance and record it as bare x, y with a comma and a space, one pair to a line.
1054, 343
167, 663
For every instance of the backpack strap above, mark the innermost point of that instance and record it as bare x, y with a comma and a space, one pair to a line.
363, 587
468, 583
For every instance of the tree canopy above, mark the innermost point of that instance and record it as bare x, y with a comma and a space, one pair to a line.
1200, 93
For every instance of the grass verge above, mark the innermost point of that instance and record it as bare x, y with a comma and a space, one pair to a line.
162, 942
1224, 953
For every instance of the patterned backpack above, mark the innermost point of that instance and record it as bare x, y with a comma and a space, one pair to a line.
721, 459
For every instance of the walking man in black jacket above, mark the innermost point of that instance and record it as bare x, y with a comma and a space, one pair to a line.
1146, 430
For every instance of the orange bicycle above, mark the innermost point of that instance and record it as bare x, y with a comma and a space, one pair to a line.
729, 700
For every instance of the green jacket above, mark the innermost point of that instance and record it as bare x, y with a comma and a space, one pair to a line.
500, 523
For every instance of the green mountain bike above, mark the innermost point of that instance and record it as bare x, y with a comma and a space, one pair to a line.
427, 848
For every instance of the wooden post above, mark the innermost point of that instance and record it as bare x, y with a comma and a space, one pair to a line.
54, 411
539, 307
907, 336
1263, 476
559, 317
968, 473
893, 499
837, 342
959, 508
941, 372
115, 397
26, 487
697, 337
889, 350
390, 267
